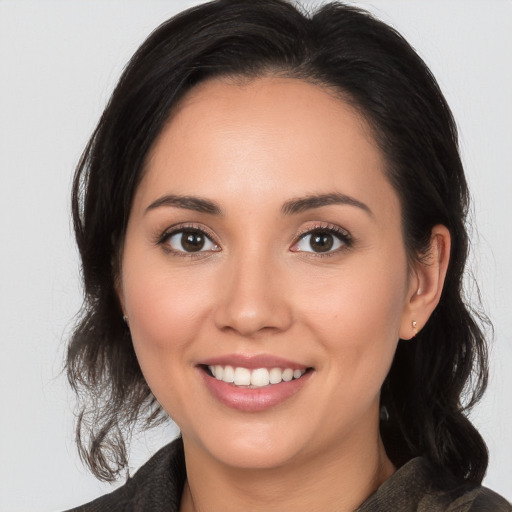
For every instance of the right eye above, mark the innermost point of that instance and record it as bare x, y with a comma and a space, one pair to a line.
190, 241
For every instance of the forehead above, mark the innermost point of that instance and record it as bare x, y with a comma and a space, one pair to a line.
233, 138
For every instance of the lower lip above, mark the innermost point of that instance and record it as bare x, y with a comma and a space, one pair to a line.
253, 399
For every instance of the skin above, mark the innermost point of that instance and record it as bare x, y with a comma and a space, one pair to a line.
259, 288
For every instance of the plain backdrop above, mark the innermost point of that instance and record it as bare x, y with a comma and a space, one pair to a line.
59, 60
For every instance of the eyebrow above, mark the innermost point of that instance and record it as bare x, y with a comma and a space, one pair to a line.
290, 207
197, 204
302, 204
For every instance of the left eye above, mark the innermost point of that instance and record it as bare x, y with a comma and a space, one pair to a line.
319, 242
191, 241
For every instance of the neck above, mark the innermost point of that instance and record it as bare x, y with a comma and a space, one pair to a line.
336, 480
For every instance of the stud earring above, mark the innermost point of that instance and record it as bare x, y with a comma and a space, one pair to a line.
125, 319
415, 327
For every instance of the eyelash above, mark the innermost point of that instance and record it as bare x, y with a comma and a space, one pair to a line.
164, 237
341, 234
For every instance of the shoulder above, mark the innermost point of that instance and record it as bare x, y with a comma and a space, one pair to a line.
159, 482
480, 499
419, 486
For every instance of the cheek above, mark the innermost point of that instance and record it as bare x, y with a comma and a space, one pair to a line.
159, 315
166, 314
356, 316
366, 304
165, 308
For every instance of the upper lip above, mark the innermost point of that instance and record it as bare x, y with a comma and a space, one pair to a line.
252, 362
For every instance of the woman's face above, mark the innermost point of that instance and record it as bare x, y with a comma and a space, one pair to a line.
265, 237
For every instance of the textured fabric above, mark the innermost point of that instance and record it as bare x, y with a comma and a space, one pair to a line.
415, 487
418, 486
156, 487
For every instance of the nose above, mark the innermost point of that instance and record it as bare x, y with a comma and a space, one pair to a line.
253, 298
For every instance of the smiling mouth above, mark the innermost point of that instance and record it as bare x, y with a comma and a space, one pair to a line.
253, 378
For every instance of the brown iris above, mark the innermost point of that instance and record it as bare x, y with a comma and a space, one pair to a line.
192, 241
321, 242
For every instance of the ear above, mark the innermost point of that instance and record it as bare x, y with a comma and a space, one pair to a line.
426, 283
118, 287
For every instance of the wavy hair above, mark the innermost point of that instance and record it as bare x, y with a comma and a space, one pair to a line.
371, 66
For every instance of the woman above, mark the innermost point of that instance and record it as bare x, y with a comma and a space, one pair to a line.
270, 216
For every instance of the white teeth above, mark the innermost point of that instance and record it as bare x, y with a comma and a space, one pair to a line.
288, 375
260, 377
229, 374
242, 377
257, 378
276, 375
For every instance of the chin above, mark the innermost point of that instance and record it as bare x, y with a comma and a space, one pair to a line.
255, 447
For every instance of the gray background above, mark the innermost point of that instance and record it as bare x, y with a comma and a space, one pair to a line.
59, 61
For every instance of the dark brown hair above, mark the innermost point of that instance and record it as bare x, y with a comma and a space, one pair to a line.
377, 71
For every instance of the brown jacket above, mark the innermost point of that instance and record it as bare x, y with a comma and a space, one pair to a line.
415, 487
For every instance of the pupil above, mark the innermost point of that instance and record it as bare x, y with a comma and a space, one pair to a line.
191, 241
322, 242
